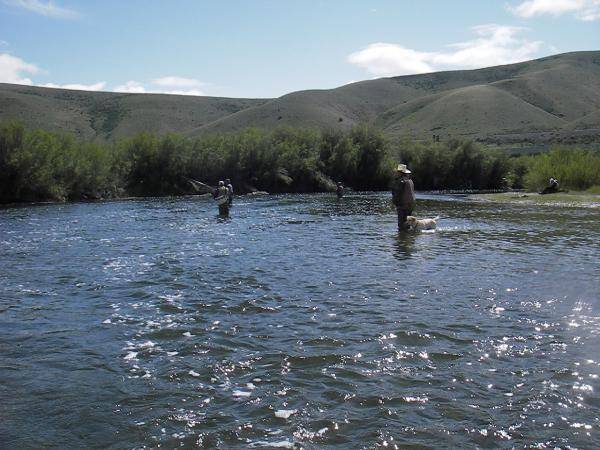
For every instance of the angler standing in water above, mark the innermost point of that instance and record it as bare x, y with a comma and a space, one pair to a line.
222, 198
229, 187
221, 194
340, 189
403, 194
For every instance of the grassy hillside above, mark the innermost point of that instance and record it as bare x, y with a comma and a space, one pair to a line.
474, 110
553, 93
105, 115
556, 94
588, 121
339, 108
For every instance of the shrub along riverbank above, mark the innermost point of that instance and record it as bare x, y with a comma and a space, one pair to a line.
37, 165
576, 169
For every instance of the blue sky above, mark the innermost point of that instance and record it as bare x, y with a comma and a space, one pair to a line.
269, 48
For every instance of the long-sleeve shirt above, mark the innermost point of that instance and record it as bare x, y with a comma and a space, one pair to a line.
403, 193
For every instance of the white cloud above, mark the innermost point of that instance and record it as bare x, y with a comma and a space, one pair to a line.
494, 45
48, 9
165, 85
133, 87
181, 92
587, 10
178, 82
383, 59
14, 70
77, 86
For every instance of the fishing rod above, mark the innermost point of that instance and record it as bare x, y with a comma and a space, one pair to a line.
200, 186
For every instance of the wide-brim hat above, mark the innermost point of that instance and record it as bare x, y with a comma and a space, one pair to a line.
402, 168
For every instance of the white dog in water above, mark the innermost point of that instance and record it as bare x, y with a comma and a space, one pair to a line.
421, 224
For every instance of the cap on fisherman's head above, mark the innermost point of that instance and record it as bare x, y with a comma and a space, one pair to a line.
402, 169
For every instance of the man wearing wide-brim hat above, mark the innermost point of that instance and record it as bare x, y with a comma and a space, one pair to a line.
403, 194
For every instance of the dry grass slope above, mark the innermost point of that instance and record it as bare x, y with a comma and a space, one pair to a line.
104, 115
475, 111
559, 92
556, 93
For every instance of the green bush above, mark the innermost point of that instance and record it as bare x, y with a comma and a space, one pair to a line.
595, 190
38, 165
456, 164
575, 169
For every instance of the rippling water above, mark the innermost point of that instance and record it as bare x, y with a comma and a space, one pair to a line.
301, 322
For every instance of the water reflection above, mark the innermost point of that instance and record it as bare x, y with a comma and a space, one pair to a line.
404, 242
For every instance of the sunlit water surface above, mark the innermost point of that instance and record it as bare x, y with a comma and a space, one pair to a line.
301, 322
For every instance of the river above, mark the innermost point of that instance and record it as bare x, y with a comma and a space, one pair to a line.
302, 321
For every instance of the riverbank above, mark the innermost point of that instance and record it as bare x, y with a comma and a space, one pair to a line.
562, 199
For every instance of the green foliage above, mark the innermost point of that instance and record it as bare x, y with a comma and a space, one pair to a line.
518, 170
453, 165
155, 165
575, 169
371, 158
38, 165
594, 190
11, 138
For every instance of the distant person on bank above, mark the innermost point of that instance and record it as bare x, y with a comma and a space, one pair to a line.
403, 194
552, 186
229, 187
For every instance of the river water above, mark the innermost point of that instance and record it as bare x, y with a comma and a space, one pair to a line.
300, 322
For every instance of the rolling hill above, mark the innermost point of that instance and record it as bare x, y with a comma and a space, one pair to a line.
104, 115
559, 93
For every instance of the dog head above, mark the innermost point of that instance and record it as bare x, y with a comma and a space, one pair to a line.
411, 221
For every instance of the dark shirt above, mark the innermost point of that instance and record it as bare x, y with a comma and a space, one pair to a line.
403, 193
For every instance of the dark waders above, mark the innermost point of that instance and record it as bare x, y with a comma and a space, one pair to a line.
224, 209
402, 215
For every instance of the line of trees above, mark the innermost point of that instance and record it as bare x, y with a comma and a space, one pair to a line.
37, 165
456, 165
